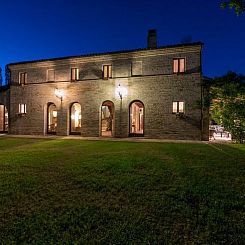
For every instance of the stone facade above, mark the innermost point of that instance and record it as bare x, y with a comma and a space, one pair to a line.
144, 75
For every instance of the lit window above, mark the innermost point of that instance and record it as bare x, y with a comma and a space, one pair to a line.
52, 118
76, 118
179, 65
178, 107
181, 107
176, 66
107, 72
74, 74
50, 75
22, 78
175, 107
22, 108
6, 120
3, 119
137, 118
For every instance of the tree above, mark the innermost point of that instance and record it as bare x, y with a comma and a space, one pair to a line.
227, 104
238, 5
1, 78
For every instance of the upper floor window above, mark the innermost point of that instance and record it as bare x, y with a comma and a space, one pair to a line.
22, 78
74, 74
136, 68
178, 107
50, 75
22, 108
179, 65
107, 72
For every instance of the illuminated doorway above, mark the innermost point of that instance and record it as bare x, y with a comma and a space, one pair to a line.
136, 119
3, 119
107, 119
52, 118
75, 118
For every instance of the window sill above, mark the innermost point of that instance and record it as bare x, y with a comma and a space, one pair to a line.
179, 115
139, 75
179, 73
21, 114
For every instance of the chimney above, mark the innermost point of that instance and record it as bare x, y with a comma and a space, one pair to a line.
152, 39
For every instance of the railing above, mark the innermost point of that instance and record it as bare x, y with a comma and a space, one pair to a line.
218, 132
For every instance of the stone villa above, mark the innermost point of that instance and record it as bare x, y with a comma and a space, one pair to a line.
155, 92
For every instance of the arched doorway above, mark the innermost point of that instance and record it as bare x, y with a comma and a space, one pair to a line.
52, 118
107, 118
3, 119
136, 119
75, 118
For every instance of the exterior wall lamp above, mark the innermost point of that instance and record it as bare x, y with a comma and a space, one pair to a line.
121, 91
59, 94
119, 88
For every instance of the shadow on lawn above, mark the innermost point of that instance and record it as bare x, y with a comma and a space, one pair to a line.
156, 193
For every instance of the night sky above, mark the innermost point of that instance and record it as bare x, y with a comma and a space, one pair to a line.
44, 29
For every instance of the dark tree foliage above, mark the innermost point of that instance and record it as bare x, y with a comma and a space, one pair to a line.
1, 77
237, 5
227, 103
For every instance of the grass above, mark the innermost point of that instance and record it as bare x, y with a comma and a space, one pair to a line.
77, 192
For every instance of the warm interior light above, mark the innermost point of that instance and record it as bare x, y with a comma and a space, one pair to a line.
76, 115
54, 113
182, 65
181, 107
175, 110
137, 118
22, 108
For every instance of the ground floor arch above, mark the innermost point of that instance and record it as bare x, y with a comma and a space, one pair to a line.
3, 119
75, 118
136, 118
107, 118
52, 118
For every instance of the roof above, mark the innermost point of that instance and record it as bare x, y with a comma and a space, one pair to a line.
113, 52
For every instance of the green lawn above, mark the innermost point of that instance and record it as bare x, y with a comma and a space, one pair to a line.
72, 191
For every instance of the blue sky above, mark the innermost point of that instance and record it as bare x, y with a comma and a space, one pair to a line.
55, 28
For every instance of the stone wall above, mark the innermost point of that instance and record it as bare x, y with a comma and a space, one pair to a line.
156, 87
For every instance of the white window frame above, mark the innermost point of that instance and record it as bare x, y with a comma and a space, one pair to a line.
134, 71
76, 74
178, 107
24, 77
178, 69
108, 73
22, 109
48, 75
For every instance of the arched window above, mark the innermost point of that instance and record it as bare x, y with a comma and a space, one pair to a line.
136, 114
3, 119
52, 118
107, 118
75, 118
